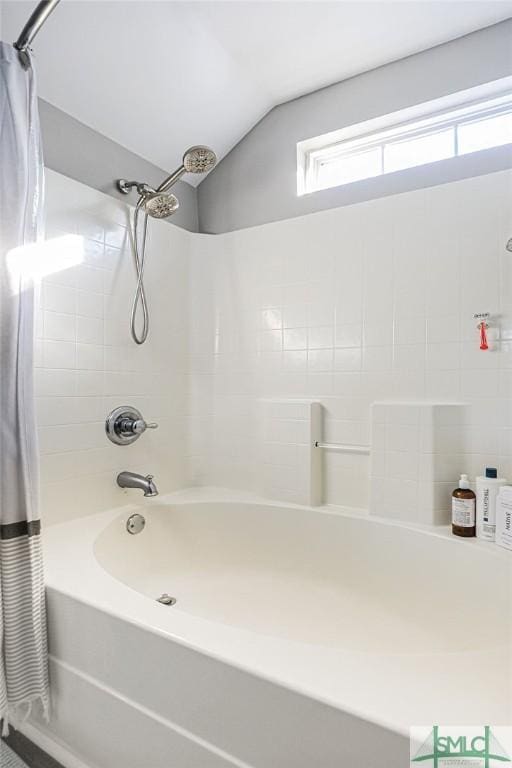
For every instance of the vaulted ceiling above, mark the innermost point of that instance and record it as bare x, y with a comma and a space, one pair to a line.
159, 76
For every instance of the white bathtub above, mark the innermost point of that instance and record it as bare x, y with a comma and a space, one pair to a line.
300, 637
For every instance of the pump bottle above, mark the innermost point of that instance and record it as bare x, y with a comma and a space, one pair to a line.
463, 509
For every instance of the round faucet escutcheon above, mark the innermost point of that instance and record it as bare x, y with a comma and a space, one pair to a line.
125, 424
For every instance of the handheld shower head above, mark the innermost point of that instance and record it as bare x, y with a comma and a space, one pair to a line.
160, 205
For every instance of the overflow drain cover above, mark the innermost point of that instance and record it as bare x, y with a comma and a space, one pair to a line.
166, 599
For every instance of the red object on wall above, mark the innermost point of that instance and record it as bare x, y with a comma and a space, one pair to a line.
483, 335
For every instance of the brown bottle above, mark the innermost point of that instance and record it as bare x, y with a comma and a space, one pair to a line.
463, 509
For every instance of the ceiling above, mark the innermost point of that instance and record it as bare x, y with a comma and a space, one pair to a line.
159, 76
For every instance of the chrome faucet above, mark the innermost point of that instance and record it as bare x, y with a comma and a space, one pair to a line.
133, 480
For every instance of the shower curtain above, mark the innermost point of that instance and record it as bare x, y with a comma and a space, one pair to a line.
23, 645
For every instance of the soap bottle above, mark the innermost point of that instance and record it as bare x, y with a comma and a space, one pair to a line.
463, 509
487, 489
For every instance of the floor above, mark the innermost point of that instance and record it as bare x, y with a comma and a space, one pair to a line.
9, 759
16, 751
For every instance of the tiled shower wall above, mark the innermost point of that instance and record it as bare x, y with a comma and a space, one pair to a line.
349, 306
345, 307
86, 362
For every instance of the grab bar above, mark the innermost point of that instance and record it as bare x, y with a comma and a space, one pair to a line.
341, 448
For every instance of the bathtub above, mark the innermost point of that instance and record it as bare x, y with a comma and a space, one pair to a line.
299, 637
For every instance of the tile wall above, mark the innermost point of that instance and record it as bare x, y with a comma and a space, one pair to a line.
349, 306
86, 363
345, 307
415, 450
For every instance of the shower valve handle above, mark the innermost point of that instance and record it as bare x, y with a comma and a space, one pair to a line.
139, 426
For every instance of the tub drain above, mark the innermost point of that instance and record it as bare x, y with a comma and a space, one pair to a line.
166, 599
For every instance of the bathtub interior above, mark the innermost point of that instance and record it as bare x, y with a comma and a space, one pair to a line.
304, 575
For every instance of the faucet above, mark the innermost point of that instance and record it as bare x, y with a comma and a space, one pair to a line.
133, 480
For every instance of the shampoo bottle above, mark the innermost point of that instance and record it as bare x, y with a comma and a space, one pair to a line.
487, 489
463, 509
504, 517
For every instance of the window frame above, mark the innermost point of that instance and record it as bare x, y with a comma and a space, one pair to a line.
393, 129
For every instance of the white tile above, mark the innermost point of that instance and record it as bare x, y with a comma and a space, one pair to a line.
408, 357
295, 338
321, 337
115, 236
403, 465
348, 359
89, 330
409, 330
377, 358
89, 304
89, 357
58, 298
320, 360
295, 360
443, 328
89, 383
378, 333
59, 354
443, 356
402, 437
348, 335
89, 278
49, 382
479, 383
271, 318
294, 316
59, 327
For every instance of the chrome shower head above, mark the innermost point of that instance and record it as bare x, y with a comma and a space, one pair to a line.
156, 203
160, 205
199, 159
195, 160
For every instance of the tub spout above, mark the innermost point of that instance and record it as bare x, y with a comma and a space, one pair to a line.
133, 480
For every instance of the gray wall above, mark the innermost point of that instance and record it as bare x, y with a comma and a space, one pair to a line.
77, 151
256, 181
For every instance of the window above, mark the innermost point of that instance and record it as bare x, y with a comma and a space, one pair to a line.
362, 151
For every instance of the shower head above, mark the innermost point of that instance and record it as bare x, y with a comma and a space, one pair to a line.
157, 203
195, 160
199, 159
160, 205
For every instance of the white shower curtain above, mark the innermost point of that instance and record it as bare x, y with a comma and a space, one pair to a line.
23, 645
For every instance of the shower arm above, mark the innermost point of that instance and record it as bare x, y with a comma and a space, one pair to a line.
172, 179
32, 27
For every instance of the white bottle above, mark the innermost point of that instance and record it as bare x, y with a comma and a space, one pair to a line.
504, 517
487, 489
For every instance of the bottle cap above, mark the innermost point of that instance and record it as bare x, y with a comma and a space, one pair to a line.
463, 482
491, 472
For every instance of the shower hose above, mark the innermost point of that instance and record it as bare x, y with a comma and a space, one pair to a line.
139, 255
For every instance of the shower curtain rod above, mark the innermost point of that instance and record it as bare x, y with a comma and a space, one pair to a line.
32, 27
